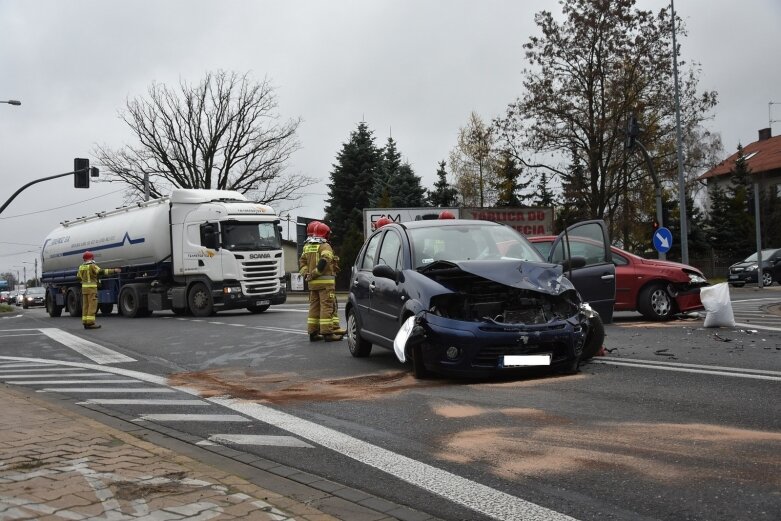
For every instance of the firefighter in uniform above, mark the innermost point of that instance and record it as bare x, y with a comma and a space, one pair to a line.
318, 265
88, 274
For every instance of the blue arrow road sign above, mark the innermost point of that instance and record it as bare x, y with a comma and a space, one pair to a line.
663, 240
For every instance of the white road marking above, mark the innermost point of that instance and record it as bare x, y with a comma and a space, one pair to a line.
28, 375
21, 334
645, 365
151, 401
124, 390
257, 439
95, 352
72, 382
4, 371
696, 366
480, 498
757, 326
16, 366
192, 418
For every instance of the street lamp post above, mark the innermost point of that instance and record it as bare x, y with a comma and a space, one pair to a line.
12, 102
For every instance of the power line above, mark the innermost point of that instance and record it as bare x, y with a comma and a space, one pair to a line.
64, 206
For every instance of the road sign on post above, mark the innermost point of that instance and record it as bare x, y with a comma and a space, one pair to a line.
663, 240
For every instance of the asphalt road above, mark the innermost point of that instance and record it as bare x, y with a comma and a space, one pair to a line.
676, 422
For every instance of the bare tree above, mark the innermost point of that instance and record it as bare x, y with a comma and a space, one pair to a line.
223, 133
473, 163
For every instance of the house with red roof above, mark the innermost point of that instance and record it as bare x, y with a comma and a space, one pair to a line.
763, 159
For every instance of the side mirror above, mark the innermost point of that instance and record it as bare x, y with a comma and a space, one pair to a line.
574, 263
384, 271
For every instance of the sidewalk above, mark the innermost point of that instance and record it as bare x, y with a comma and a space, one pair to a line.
57, 462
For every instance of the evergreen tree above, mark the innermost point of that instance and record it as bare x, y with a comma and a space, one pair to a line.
405, 189
508, 180
544, 196
443, 195
719, 224
352, 181
574, 205
381, 195
741, 208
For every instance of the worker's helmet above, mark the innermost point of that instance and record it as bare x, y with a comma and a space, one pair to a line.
382, 221
88, 256
446, 214
321, 230
310, 228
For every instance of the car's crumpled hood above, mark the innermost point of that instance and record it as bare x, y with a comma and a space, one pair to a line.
545, 278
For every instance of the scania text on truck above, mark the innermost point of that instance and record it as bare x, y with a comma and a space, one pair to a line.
197, 251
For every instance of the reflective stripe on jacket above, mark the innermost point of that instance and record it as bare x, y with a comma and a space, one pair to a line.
311, 256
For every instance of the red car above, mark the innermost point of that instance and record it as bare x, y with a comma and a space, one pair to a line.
658, 289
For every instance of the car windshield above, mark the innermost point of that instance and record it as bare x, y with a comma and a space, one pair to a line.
472, 241
250, 236
765, 255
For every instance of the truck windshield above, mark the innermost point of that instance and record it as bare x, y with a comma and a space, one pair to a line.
250, 236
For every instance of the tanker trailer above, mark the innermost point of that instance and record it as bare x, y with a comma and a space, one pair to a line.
196, 251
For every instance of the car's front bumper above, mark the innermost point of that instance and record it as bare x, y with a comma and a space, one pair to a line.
743, 277
482, 347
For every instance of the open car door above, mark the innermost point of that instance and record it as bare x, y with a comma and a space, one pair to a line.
596, 281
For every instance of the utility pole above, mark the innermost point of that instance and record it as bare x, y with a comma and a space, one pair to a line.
679, 153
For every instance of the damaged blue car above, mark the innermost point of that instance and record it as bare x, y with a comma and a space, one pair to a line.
475, 298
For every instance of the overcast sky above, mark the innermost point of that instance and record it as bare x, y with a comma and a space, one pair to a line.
413, 68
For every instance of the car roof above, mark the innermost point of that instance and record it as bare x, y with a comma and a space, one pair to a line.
436, 223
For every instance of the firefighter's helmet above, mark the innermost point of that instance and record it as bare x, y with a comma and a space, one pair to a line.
321, 230
382, 221
88, 256
310, 228
446, 214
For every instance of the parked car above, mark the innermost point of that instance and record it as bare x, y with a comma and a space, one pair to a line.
470, 298
5, 297
746, 270
33, 297
658, 289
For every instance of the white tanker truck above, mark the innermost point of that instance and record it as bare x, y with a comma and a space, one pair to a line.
197, 251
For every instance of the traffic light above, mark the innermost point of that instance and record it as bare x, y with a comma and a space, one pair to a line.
632, 131
81, 173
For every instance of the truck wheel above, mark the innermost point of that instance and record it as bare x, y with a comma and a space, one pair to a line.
257, 309
52, 309
106, 308
73, 302
200, 300
128, 302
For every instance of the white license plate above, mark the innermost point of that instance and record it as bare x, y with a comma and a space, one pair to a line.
526, 360
262, 302
733, 277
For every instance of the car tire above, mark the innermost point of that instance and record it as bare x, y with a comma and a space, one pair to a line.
418, 367
654, 303
358, 347
767, 278
25, 306
200, 300
257, 309
594, 339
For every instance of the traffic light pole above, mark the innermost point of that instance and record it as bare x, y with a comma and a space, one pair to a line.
34, 182
657, 188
